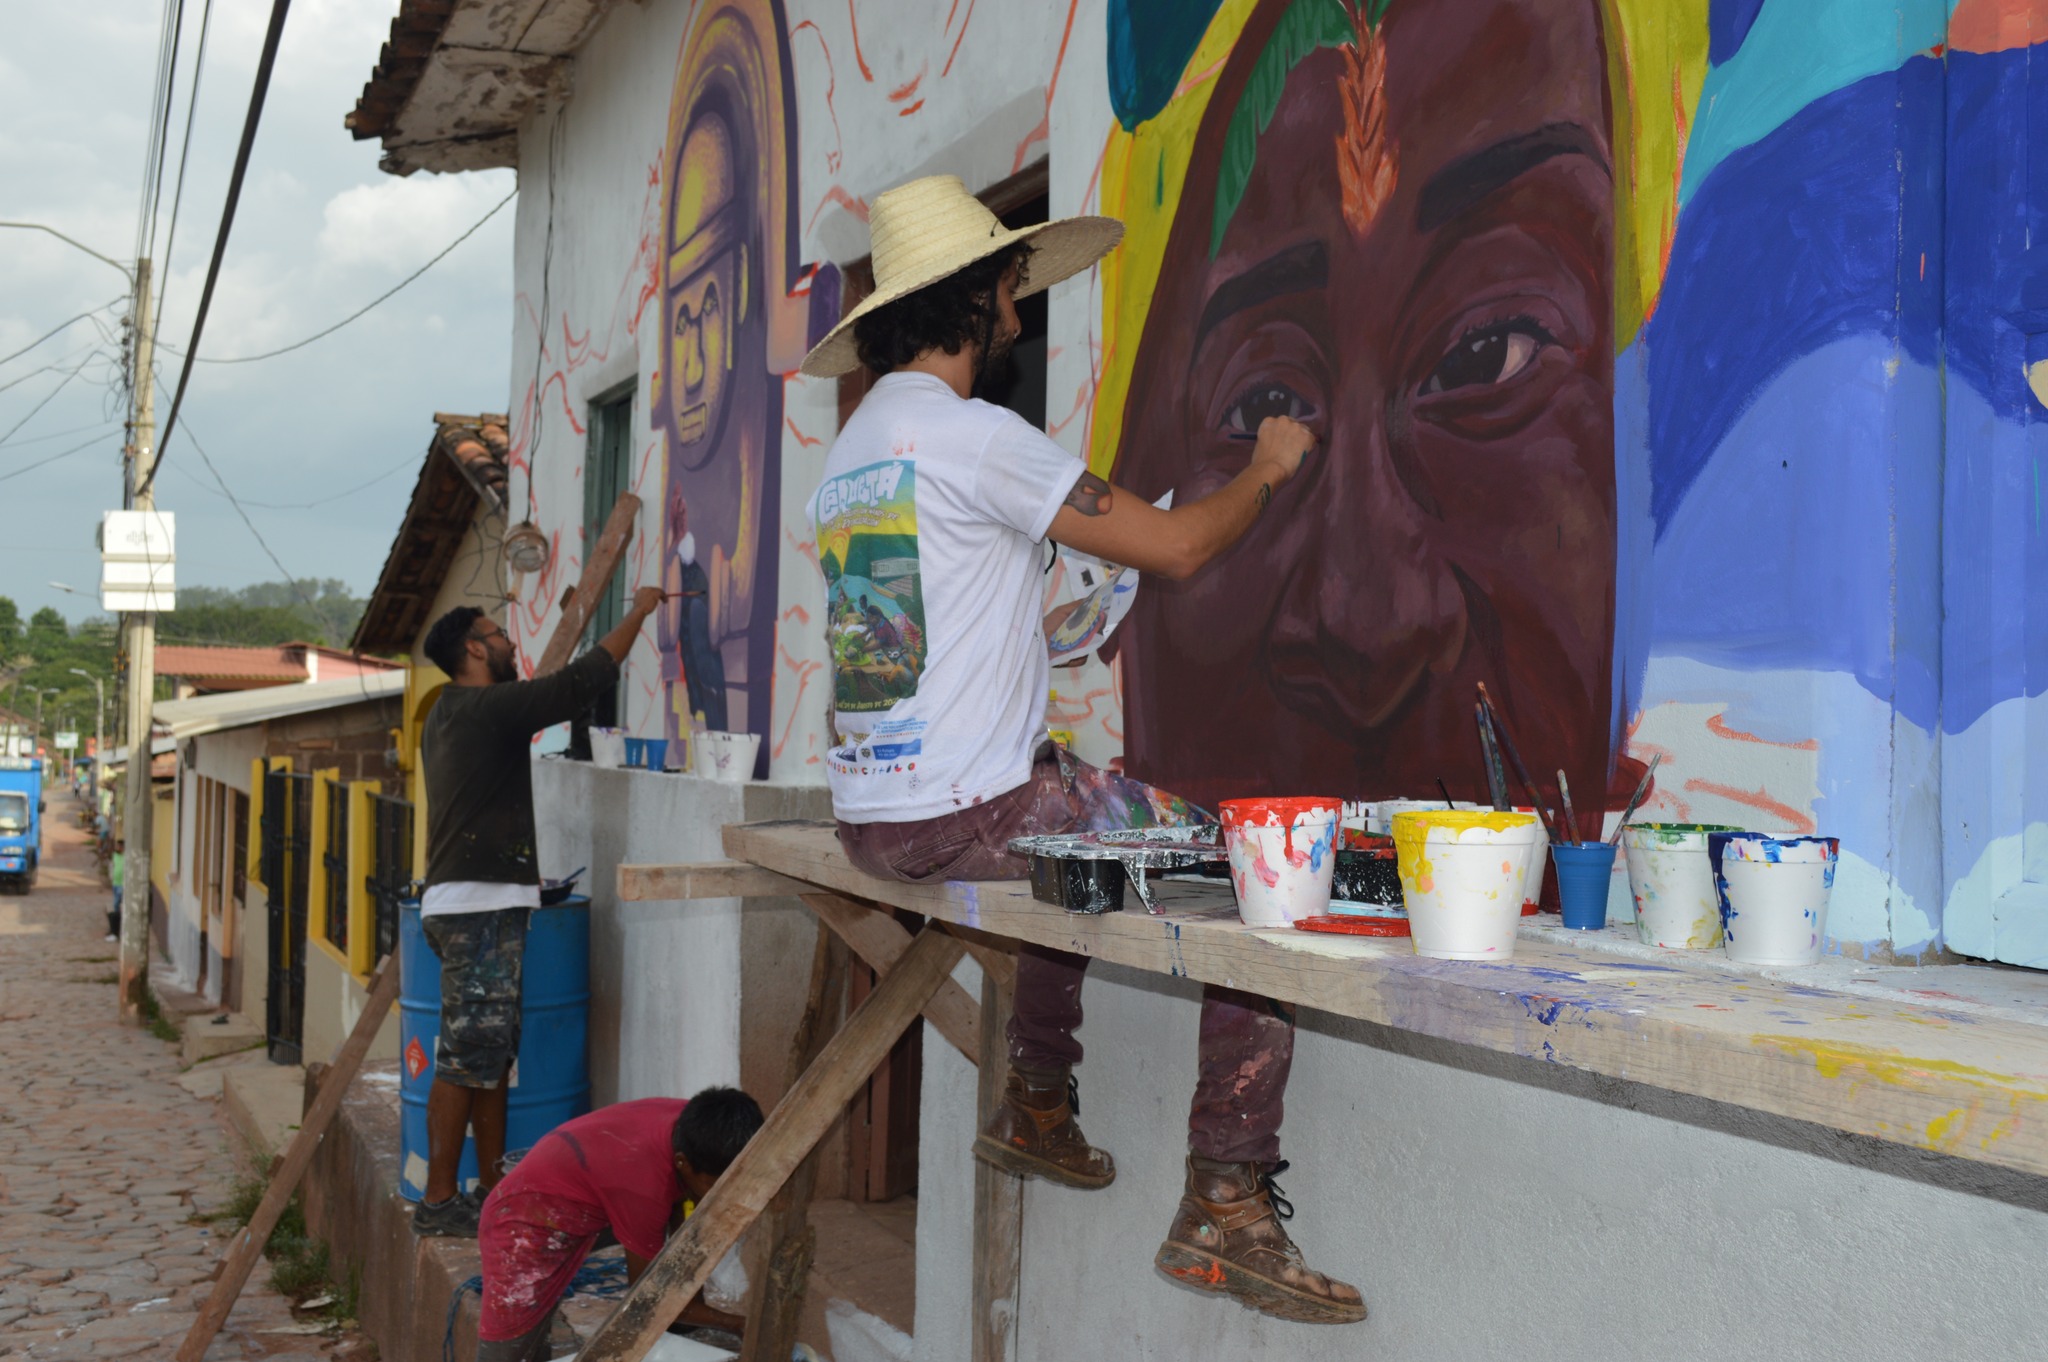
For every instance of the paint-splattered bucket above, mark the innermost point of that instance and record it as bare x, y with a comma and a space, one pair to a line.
1673, 884
1282, 855
1463, 875
1774, 894
726, 756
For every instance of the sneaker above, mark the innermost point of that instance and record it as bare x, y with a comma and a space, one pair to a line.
455, 1218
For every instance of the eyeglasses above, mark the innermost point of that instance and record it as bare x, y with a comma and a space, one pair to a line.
481, 636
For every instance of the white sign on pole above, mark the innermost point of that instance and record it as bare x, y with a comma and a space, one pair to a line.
66, 742
138, 561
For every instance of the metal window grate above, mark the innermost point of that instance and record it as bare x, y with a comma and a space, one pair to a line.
335, 858
390, 877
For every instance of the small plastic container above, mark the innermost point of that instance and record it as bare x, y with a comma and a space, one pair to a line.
1583, 872
1672, 883
1462, 877
655, 750
726, 756
1282, 857
1774, 894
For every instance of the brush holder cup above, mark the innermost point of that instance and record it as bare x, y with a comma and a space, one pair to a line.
1672, 884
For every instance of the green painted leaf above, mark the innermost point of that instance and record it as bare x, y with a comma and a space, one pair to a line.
1306, 26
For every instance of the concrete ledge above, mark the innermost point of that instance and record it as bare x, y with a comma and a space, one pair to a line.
263, 1103
352, 1202
222, 1033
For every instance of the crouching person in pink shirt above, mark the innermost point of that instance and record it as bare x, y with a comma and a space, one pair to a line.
634, 1168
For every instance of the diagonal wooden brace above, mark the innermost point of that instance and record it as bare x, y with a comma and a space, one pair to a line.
880, 941
798, 1122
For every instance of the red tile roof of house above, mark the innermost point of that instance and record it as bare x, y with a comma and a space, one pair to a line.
207, 661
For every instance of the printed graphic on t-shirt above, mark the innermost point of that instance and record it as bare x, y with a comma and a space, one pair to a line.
874, 596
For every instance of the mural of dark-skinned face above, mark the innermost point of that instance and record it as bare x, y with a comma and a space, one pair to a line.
1444, 325
717, 404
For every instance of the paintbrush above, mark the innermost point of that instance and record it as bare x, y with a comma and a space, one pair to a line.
1514, 756
1564, 795
1445, 791
1635, 801
1496, 778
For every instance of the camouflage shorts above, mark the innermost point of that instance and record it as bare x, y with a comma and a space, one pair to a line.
481, 955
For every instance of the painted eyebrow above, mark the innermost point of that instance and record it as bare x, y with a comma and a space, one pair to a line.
1465, 182
1298, 269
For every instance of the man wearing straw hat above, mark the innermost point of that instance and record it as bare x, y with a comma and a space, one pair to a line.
931, 523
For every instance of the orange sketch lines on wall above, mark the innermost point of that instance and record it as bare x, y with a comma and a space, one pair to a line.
1718, 726
854, 23
1756, 799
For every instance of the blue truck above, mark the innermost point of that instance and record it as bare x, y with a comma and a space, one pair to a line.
21, 822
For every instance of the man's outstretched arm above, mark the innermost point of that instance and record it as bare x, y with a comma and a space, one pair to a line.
1121, 527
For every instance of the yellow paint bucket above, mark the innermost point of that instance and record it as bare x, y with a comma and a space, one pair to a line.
1463, 877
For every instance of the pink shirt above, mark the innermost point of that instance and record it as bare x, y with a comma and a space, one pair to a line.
614, 1167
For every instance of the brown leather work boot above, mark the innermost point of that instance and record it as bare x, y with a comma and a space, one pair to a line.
1033, 1133
1227, 1238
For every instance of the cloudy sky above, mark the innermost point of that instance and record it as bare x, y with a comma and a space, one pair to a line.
320, 231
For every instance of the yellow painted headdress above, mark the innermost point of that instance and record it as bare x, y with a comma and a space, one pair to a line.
1656, 61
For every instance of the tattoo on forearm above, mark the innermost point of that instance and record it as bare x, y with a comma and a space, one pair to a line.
1265, 495
1091, 495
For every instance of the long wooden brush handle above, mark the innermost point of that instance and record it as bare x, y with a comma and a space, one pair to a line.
1514, 756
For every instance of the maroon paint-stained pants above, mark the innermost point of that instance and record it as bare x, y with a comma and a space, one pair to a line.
1247, 1042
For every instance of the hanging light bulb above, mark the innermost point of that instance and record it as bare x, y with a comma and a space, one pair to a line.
526, 548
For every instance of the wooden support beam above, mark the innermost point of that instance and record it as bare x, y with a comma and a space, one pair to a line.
248, 1243
881, 940
998, 1197
705, 880
582, 598
788, 1239
793, 1129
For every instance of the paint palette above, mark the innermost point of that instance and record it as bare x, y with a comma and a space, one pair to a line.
1085, 872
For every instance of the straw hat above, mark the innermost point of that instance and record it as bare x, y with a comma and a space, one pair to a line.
929, 228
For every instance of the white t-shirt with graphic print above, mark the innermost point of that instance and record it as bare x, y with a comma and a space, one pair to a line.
930, 525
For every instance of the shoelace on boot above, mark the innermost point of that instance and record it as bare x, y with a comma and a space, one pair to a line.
1073, 1096
1282, 1207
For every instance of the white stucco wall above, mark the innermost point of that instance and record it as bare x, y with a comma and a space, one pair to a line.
1487, 1207
1491, 1207
665, 990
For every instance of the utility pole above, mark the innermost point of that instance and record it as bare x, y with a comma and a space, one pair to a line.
141, 627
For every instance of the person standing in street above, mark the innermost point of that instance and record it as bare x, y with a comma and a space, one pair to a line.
483, 878
931, 524
117, 865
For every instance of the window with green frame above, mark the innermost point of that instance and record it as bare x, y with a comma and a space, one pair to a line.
607, 471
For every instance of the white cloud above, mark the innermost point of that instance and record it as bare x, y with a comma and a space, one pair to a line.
400, 224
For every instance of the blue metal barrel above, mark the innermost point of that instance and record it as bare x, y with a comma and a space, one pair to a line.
550, 1082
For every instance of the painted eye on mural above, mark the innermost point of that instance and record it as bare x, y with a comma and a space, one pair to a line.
1241, 419
1488, 356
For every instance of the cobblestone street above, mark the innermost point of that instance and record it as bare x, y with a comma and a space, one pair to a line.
105, 1162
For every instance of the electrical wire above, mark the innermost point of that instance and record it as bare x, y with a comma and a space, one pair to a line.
265, 64
318, 335
46, 400
410, 461
43, 463
236, 503
111, 302
47, 369
184, 159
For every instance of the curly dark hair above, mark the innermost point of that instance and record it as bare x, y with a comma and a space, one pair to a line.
949, 315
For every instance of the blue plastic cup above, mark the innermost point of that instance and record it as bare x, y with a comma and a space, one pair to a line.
1583, 869
636, 751
657, 753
